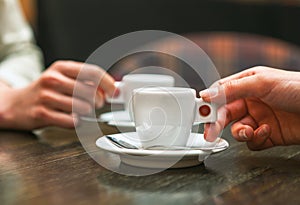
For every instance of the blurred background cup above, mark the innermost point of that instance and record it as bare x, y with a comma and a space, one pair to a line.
132, 81
165, 115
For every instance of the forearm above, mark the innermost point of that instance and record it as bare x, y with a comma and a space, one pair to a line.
21, 60
6, 111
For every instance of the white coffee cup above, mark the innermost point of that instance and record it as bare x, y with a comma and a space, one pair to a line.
165, 115
132, 81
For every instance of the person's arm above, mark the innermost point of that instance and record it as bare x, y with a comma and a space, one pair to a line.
262, 103
30, 99
66, 90
20, 58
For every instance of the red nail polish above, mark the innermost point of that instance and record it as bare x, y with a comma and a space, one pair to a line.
116, 92
204, 110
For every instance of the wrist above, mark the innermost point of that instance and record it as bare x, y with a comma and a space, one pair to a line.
6, 108
4, 85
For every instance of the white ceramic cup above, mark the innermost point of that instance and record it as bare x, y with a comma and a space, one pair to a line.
132, 81
165, 115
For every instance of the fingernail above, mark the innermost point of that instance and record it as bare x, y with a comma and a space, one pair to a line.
242, 134
262, 132
209, 93
204, 135
76, 121
116, 92
99, 103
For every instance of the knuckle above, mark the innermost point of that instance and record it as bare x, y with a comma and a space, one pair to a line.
229, 86
86, 109
84, 91
87, 90
83, 109
57, 64
63, 62
259, 68
40, 113
261, 78
93, 71
45, 96
50, 79
92, 67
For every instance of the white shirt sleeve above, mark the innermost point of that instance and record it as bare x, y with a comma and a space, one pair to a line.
20, 58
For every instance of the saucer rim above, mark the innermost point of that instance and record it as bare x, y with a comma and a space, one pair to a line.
158, 158
100, 118
164, 153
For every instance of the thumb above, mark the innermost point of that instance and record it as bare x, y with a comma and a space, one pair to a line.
232, 90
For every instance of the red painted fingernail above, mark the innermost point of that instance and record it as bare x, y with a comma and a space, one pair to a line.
204, 110
116, 92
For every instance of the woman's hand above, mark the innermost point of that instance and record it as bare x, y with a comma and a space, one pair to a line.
263, 104
64, 91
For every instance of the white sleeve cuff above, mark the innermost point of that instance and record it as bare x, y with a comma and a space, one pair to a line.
13, 80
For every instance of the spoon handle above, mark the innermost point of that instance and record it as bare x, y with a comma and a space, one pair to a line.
121, 143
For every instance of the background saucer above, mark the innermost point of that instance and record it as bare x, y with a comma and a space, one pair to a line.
120, 115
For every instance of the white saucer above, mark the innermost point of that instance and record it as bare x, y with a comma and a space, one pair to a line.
121, 123
120, 115
162, 158
116, 118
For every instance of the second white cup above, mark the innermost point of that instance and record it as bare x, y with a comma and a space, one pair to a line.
132, 81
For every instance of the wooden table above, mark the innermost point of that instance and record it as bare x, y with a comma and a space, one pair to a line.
50, 166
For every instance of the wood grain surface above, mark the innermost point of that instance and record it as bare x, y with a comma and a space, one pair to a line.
50, 166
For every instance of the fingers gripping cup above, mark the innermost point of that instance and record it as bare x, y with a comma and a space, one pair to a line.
165, 115
133, 81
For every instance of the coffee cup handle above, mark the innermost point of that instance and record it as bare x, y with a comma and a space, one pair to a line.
120, 97
205, 112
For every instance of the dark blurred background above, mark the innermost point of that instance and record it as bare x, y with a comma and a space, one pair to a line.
74, 28
236, 34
